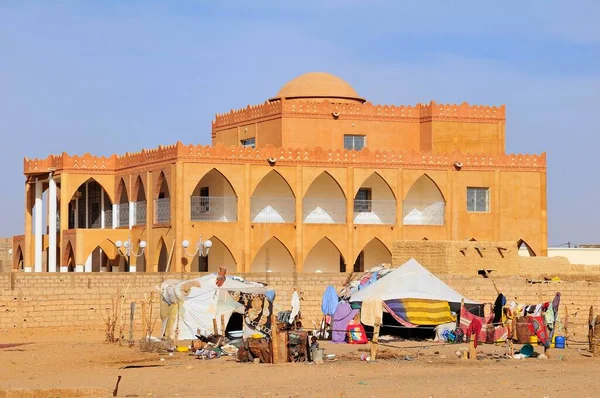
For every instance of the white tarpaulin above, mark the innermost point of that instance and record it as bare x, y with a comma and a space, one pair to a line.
410, 281
188, 307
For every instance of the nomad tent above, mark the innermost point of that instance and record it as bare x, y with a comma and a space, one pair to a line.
203, 306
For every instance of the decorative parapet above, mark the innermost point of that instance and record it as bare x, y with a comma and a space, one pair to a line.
306, 156
367, 111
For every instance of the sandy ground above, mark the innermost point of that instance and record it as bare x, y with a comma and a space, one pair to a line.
68, 363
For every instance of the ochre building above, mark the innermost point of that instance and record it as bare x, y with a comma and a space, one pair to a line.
315, 179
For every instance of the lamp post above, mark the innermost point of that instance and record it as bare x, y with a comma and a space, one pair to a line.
128, 249
202, 247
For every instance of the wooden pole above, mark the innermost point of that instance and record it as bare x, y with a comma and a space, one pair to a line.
223, 324
375, 339
472, 349
591, 329
131, 314
215, 329
145, 320
462, 305
596, 337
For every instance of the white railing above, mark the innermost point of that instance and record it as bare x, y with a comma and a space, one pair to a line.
374, 211
423, 213
139, 211
273, 210
123, 215
213, 208
324, 211
162, 210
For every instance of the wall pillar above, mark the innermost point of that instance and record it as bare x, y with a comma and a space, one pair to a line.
102, 214
52, 223
38, 225
27, 249
245, 206
87, 206
103, 262
349, 257
299, 221
115, 215
87, 267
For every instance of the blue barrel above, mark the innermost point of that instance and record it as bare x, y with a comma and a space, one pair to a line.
559, 342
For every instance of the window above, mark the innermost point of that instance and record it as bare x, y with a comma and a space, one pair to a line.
362, 201
478, 200
357, 142
249, 143
204, 200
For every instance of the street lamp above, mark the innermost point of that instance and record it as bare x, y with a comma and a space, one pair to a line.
200, 247
128, 249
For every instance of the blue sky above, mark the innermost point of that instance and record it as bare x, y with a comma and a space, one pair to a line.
110, 76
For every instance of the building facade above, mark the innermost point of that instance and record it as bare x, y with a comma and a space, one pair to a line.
315, 179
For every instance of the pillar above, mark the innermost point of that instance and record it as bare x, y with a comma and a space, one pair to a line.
245, 216
102, 221
27, 252
87, 207
87, 266
103, 262
350, 219
52, 224
38, 225
115, 215
131, 214
299, 221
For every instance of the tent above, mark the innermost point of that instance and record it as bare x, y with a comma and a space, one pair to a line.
410, 281
189, 307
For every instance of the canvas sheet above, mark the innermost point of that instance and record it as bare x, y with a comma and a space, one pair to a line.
421, 312
257, 311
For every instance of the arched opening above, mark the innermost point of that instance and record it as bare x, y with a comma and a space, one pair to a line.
18, 259
122, 207
374, 202
324, 202
97, 261
162, 205
219, 255
139, 206
163, 257
324, 257
273, 200
90, 207
68, 261
524, 249
424, 203
214, 199
373, 254
273, 256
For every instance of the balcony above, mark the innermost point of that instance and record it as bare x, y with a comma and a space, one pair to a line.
272, 210
139, 211
324, 211
374, 211
162, 211
423, 213
213, 208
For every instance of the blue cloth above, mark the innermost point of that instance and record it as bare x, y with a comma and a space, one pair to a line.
372, 280
270, 295
330, 301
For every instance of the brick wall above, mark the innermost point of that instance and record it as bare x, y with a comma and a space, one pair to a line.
75, 299
5, 259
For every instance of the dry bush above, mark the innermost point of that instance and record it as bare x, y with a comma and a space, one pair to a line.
145, 345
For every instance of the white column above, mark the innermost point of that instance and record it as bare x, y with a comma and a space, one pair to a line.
52, 224
88, 263
131, 214
87, 206
102, 222
38, 226
64, 268
115, 220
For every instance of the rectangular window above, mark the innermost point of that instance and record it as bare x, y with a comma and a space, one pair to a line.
356, 142
362, 201
249, 143
204, 200
478, 200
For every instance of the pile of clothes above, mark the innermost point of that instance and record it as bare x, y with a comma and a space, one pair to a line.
366, 279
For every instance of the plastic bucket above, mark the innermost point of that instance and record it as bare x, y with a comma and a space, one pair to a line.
533, 339
559, 341
527, 350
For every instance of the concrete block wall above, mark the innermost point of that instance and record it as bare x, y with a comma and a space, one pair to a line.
77, 299
5, 259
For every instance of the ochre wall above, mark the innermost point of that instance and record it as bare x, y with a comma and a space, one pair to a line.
76, 300
449, 136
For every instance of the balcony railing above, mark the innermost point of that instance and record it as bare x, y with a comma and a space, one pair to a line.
139, 211
162, 210
374, 211
123, 215
108, 218
324, 211
213, 208
423, 213
272, 210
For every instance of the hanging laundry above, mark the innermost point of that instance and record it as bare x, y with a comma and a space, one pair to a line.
371, 309
295, 306
343, 315
330, 301
498, 304
421, 312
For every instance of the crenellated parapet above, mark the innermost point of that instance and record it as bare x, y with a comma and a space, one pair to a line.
366, 111
284, 156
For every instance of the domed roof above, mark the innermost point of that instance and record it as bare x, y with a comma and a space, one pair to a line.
319, 85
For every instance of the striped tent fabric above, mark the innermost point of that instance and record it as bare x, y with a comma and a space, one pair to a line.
421, 312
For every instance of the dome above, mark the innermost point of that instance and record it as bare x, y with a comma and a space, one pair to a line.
318, 85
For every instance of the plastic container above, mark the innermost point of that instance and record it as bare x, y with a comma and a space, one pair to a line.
527, 350
559, 342
533, 339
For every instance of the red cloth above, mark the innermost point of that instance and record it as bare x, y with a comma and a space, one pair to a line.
474, 329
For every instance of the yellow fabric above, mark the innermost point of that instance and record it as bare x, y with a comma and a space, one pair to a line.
371, 308
427, 312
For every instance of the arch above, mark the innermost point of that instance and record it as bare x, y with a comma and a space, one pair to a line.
273, 200
140, 202
18, 259
162, 187
273, 256
324, 201
219, 255
424, 203
213, 198
375, 202
374, 253
121, 194
524, 249
324, 256
163, 256
74, 191
139, 191
68, 259
90, 196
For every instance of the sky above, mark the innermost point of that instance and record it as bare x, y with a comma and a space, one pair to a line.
116, 76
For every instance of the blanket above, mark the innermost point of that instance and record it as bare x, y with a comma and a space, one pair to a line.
257, 311
421, 312
488, 333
